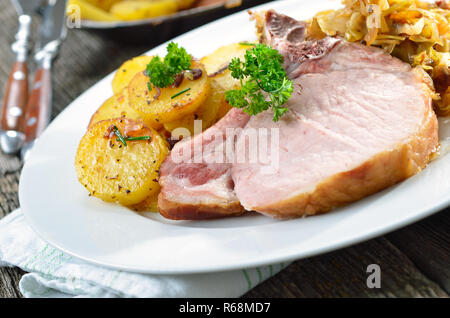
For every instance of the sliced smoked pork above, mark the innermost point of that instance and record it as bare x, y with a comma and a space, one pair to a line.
195, 177
359, 121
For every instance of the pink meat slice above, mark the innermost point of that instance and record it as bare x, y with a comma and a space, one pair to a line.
196, 177
359, 120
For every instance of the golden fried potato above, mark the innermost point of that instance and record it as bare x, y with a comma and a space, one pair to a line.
114, 107
207, 112
137, 10
185, 4
89, 11
150, 204
220, 58
103, 4
128, 70
225, 82
161, 104
216, 65
224, 108
117, 173
118, 106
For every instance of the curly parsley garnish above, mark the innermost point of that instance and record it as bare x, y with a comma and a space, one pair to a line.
264, 73
162, 71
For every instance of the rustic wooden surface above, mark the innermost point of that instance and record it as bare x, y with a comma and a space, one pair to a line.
414, 261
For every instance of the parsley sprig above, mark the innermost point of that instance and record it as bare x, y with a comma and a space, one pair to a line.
266, 85
162, 71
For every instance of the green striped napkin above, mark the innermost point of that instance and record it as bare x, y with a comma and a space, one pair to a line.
53, 273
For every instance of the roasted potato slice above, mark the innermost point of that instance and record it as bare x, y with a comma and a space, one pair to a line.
103, 4
207, 112
216, 65
128, 70
89, 11
115, 172
224, 83
137, 10
218, 60
185, 4
150, 204
114, 107
118, 106
171, 103
223, 109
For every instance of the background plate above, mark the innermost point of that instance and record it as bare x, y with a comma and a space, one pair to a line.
157, 30
61, 212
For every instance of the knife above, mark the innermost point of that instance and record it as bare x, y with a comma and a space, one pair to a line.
39, 107
16, 93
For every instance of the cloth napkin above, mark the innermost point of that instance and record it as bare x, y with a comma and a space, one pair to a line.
53, 273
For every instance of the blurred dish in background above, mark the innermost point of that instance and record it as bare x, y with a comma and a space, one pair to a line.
110, 11
128, 21
127, 10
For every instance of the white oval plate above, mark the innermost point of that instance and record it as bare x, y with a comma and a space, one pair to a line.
60, 211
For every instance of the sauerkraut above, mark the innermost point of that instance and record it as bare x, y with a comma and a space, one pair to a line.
415, 31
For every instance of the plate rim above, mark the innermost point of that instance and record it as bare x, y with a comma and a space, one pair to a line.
260, 261
256, 263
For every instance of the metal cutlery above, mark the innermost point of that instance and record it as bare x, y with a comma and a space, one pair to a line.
16, 94
39, 107
25, 115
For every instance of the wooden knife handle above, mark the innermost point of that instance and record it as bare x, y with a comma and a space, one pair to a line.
38, 110
16, 96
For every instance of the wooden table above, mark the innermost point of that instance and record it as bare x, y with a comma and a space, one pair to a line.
414, 261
